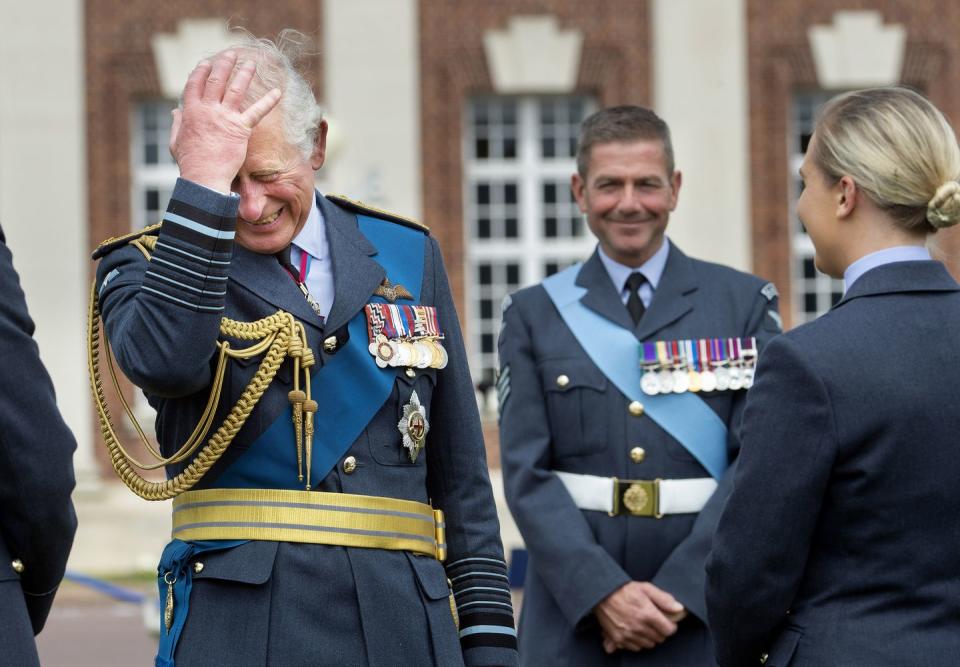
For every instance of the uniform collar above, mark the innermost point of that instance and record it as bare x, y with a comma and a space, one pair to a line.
652, 269
906, 253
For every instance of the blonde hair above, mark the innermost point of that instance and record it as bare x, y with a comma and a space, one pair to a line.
899, 149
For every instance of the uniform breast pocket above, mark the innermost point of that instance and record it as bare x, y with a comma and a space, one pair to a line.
413, 390
577, 401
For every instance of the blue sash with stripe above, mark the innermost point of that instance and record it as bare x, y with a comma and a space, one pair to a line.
686, 417
349, 388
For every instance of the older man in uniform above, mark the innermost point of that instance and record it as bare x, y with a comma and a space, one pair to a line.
621, 385
37, 521
317, 537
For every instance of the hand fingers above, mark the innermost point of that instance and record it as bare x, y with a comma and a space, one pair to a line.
609, 646
666, 602
658, 627
255, 113
196, 81
636, 644
239, 83
219, 75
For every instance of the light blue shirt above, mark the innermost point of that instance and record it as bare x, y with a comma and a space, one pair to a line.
652, 270
903, 253
312, 239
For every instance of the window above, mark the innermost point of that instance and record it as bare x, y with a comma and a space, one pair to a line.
153, 171
814, 293
522, 223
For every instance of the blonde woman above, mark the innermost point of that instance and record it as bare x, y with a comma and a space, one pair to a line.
840, 542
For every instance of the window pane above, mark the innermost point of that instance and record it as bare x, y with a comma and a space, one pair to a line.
523, 221
486, 308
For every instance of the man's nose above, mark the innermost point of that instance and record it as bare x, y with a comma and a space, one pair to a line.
630, 200
252, 201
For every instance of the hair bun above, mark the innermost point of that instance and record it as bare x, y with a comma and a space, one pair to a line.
944, 209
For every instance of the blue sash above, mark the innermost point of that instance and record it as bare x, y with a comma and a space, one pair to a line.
349, 388
686, 417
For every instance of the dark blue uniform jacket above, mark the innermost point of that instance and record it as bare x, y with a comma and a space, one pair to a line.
840, 541
579, 557
284, 603
37, 521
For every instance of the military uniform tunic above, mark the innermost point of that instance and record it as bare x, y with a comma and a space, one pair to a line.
561, 413
267, 602
37, 520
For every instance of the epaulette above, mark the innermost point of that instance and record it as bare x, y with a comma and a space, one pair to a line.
366, 209
115, 242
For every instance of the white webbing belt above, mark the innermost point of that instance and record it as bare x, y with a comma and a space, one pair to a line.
676, 496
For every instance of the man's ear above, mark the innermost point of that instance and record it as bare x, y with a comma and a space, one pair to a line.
578, 187
847, 196
319, 146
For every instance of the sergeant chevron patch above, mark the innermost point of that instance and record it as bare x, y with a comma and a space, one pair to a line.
503, 387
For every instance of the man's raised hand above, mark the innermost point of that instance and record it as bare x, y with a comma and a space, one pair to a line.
209, 135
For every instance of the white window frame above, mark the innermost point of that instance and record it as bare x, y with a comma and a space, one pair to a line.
531, 250
801, 247
143, 176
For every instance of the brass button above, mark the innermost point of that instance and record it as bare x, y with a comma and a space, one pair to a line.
349, 465
562, 381
763, 658
410, 373
635, 408
330, 344
17, 566
637, 455
198, 567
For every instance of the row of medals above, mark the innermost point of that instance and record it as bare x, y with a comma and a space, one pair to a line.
680, 377
424, 352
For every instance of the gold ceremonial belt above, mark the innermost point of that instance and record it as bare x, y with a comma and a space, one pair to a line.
637, 497
313, 517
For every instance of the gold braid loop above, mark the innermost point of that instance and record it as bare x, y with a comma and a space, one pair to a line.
279, 334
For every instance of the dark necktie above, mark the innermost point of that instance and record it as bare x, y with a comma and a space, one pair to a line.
634, 304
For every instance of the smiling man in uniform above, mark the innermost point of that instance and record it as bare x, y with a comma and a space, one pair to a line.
317, 536
615, 489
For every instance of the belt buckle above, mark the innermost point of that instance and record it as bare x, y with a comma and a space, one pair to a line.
639, 497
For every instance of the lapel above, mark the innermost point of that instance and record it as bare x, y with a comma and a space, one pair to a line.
602, 295
356, 274
901, 277
263, 275
671, 299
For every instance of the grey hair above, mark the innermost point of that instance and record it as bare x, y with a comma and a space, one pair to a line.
898, 148
276, 68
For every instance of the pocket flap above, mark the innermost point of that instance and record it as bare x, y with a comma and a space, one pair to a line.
431, 575
429, 373
250, 563
781, 653
565, 374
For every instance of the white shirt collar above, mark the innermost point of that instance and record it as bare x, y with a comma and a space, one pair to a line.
312, 238
652, 269
904, 253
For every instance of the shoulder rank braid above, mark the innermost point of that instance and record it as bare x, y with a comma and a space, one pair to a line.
280, 336
367, 209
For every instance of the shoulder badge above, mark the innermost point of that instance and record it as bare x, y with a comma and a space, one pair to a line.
146, 237
769, 291
366, 209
